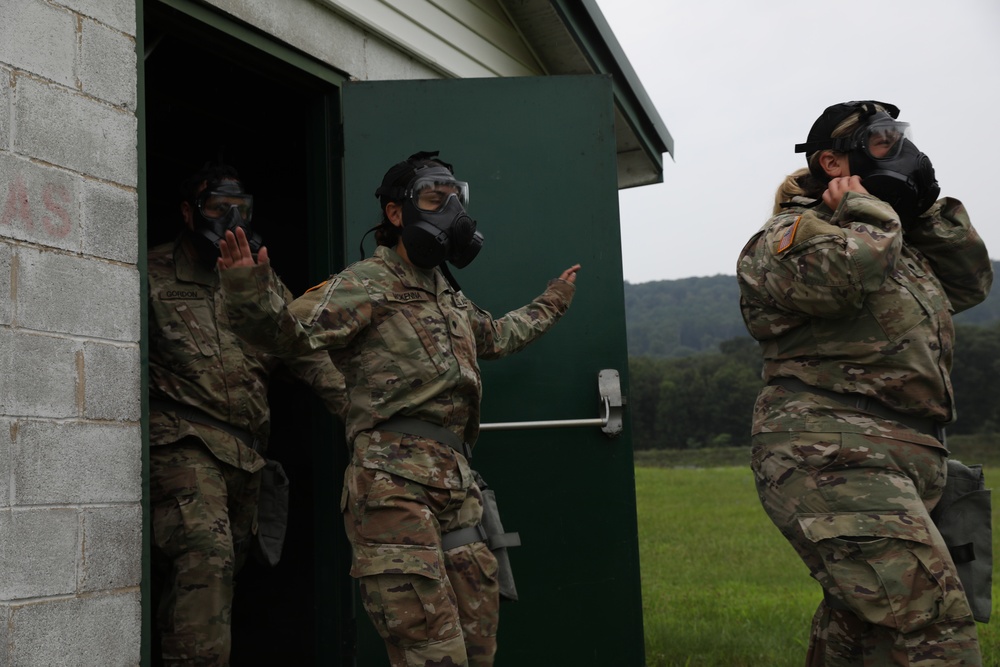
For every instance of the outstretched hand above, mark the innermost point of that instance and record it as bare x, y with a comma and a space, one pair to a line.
234, 250
569, 275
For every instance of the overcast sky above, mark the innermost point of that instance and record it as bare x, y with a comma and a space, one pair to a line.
739, 83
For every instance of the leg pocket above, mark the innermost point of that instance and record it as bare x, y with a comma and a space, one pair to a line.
885, 567
170, 492
410, 610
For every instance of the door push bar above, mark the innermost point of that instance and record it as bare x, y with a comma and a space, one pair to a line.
611, 404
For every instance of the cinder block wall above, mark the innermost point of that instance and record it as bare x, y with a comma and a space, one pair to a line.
70, 441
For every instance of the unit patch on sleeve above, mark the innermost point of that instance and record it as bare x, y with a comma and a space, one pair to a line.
789, 236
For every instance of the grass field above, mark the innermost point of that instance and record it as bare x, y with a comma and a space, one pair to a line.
720, 586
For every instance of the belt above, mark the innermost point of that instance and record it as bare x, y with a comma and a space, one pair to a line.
866, 404
422, 429
463, 536
193, 414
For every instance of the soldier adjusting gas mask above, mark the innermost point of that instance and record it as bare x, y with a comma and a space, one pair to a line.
881, 152
224, 206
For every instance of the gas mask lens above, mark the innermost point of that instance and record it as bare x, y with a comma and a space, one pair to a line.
431, 194
884, 140
216, 205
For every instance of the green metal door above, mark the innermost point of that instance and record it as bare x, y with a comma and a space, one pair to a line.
539, 154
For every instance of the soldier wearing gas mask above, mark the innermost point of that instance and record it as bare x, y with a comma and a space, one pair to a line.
408, 342
209, 425
850, 290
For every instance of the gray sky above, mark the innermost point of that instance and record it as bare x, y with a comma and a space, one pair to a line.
739, 83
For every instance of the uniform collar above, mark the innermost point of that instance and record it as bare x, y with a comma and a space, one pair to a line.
428, 280
189, 267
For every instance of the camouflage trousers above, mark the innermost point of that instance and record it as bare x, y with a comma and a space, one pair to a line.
202, 515
432, 608
855, 508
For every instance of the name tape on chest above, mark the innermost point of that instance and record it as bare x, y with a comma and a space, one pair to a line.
183, 293
406, 297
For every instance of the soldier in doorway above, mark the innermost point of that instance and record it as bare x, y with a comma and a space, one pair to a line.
209, 424
408, 342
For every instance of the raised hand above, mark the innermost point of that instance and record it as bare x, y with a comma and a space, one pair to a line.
234, 250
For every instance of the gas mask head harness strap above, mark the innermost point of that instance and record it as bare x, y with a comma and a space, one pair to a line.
436, 227
880, 151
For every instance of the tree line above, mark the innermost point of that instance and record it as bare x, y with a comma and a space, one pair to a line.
695, 372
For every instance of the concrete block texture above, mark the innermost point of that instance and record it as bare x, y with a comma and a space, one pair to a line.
5, 613
8, 431
74, 131
85, 631
39, 375
110, 222
76, 295
119, 14
38, 37
6, 76
111, 382
76, 463
107, 65
38, 552
6, 281
112, 548
39, 204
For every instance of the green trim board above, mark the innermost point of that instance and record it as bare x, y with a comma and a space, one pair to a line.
140, 113
597, 41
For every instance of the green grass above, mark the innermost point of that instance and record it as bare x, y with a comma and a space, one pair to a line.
720, 586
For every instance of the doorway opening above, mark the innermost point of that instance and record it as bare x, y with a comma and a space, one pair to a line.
212, 96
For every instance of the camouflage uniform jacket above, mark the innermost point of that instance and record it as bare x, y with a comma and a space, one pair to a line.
406, 343
847, 301
196, 359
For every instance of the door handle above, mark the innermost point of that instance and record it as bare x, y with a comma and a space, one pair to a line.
610, 406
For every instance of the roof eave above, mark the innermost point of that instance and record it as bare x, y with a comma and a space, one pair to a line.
573, 37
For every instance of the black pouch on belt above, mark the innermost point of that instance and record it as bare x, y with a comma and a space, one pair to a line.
964, 518
489, 530
272, 514
498, 541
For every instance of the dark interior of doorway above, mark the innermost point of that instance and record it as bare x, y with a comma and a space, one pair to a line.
211, 97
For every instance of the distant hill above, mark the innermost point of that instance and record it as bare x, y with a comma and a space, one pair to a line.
678, 318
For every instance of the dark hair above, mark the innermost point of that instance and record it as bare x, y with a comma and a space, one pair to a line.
211, 173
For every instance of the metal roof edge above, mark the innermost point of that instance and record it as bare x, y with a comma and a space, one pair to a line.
597, 41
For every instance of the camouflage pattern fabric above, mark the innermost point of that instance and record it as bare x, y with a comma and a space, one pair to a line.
202, 513
407, 344
853, 302
413, 591
195, 359
856, 509
848, 301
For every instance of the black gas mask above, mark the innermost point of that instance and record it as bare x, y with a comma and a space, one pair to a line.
881, 152
436, 227
224, 206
